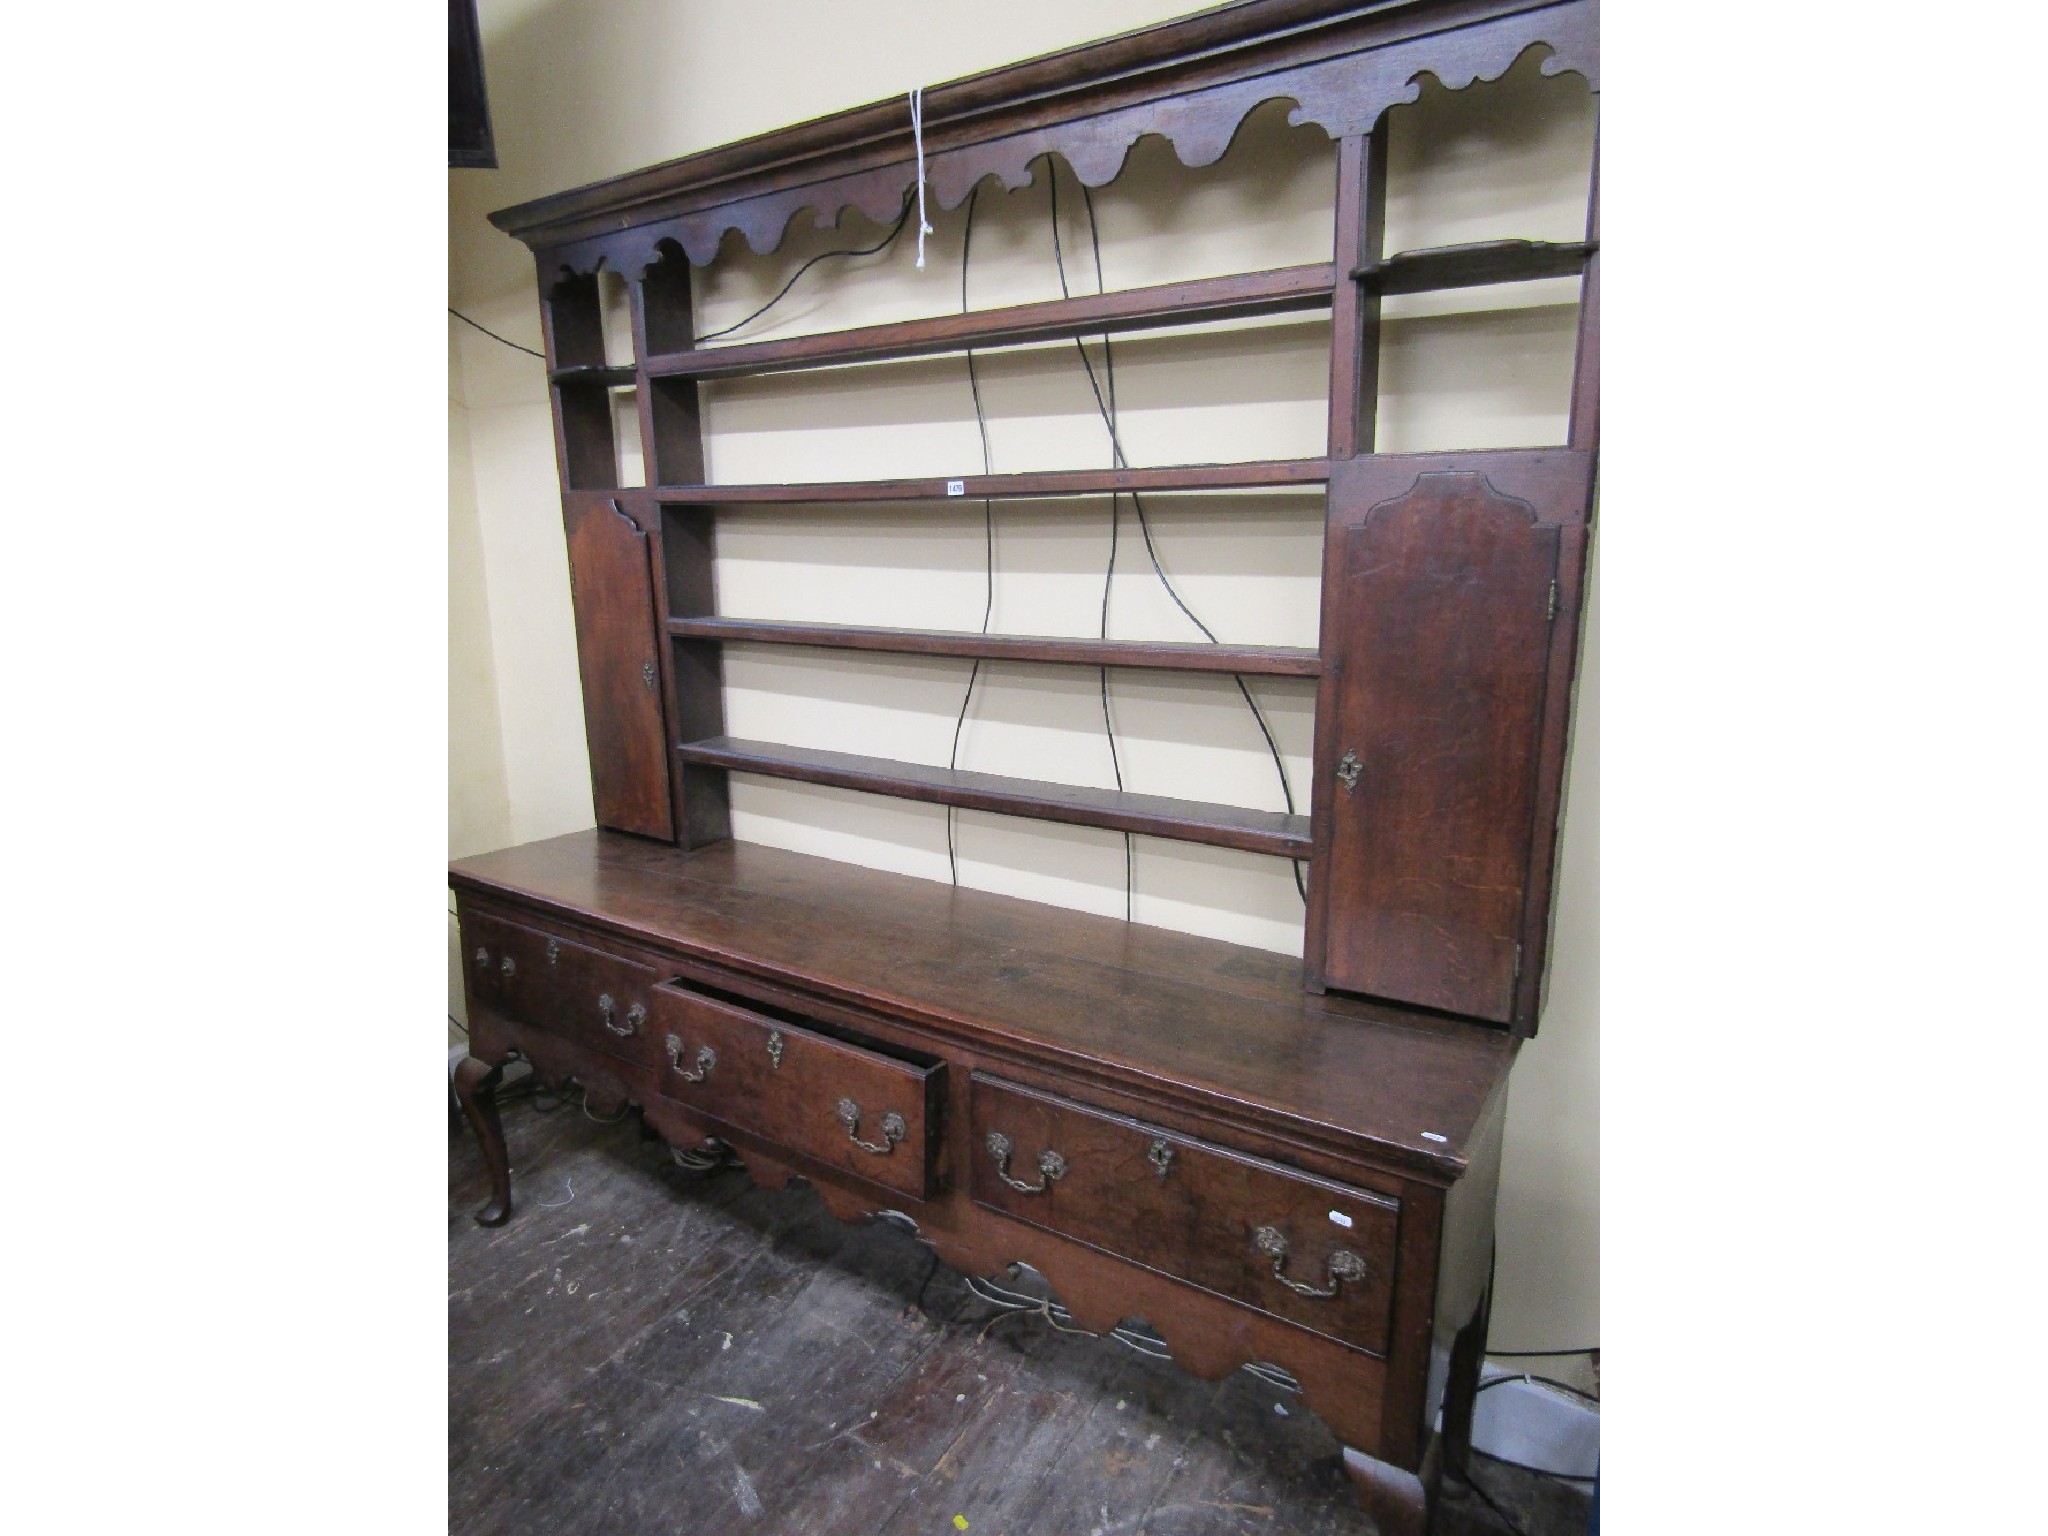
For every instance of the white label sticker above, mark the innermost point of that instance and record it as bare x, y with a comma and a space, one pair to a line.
1432, 1136
1340, 1218
956, 487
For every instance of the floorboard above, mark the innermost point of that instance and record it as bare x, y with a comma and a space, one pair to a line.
643, 1349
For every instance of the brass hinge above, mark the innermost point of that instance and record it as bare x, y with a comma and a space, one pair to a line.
1553, 601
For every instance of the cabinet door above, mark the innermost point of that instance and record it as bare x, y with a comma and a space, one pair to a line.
611, 579
1441, 602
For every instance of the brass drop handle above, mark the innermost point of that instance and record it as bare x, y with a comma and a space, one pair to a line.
506, 966
647, 675
1348, 769
707, 1058
893, 1129
554, 951
1051, 1166
775, 1049
483, 958
1344, 1264
606, 1007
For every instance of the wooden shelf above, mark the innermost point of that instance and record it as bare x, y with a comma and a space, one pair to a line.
1054, 482
1475, 266
1158, 655
1284, 290
1190, 821
611, 376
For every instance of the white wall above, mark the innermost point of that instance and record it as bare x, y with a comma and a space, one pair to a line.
583, 91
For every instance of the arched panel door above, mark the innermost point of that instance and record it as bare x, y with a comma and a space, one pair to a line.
1442, 594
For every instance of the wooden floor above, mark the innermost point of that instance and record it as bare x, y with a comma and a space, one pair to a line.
643, 1350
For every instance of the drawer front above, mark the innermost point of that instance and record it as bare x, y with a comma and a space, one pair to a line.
847, 1104
1233, 1224
562, 986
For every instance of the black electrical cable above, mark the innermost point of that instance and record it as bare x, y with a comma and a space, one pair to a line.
515, 346
781, 293
1540, 1354
1487, 1499
1548, 1381
1523, 1466
458, 1023
1052, 185
1138, 505
988, 520
866, 250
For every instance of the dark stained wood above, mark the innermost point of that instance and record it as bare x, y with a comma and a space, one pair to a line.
1160, 655
1217, 1029
671, 412
562, 1402
1193, 82
612, 587
672, 432
1208, 1333
1441, 601
696, 670
1468, 1355
611, 376
1188, 821
1361, 224
1054, 482
583, 418
552, 979
1198, 1091
572, 324
1477, 265
1187, 1208
1288, 290
572, 330
1557, 483
476, 1084
1585, 418
778, 1075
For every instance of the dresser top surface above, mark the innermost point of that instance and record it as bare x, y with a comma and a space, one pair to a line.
1152, 1006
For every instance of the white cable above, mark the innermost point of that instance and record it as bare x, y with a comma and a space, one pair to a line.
917, 135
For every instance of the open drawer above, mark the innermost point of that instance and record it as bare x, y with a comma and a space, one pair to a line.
802, 1084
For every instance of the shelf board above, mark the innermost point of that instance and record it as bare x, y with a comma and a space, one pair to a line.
1281, 291
1158, 655
1052, 482
611, 376
1475, 266
1191, 821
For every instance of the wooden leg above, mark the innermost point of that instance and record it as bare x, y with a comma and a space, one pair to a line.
1461, 1389
475, 1084
1398, 1501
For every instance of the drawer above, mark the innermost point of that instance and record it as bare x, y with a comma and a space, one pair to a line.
1309, 1250
561, 986
801, 1084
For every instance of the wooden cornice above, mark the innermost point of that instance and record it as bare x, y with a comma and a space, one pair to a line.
1191, 81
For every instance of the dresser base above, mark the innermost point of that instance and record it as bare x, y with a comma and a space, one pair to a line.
1164, 1129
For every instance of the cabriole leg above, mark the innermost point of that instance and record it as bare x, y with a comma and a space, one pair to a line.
1397, 1500
476, 1084
1461, 1390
